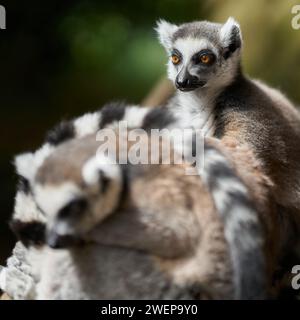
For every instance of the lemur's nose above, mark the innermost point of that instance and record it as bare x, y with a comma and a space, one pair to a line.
57, 241
181, 83
188, 81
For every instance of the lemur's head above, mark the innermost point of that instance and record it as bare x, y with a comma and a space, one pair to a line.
75, 189
201, 54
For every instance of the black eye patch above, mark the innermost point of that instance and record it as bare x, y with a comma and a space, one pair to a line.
196, 58
73, 209
177, 53
29, 233
103, 181
23, 185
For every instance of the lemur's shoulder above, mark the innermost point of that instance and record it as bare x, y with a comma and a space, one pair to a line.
280, 101
255, 113
255, 98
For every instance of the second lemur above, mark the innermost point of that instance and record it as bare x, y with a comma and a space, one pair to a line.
214, 94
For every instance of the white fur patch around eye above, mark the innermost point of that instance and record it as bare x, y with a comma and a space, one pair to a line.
51, 198
87, 124
165, 32
189, 46
90, 170
226, 30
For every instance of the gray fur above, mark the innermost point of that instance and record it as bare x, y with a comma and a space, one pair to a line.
242, 225
103, 272
199, 29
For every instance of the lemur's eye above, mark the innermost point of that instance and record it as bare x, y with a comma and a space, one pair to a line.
207, 58
175, 59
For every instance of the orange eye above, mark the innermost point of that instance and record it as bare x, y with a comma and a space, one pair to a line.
205, 58
175, 59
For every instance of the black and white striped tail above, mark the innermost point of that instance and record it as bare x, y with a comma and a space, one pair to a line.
242, 227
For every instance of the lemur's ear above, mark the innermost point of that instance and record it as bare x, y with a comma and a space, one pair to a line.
230, 35
165, 31
27, 164
24, 165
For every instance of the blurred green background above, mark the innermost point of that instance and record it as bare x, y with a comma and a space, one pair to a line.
63, 58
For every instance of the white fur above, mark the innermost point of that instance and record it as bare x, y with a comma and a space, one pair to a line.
24, 165
87, 124
90, 170
27, 164
52, 198
3, 279
222, 191
135, 115
225, 32
187, 47
222, 196
195, 110
165, 32
192, 109
18, 279
104, 205
25, 208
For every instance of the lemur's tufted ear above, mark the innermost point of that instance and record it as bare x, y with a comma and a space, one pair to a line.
230, 35
24, 165
27, 164
165, 31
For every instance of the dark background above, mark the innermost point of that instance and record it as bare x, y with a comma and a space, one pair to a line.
59, 59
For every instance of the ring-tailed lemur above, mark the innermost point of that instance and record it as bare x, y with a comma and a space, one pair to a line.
214, 94
173, 219
231, 111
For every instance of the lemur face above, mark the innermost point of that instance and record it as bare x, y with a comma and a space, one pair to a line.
75, 189
201, 54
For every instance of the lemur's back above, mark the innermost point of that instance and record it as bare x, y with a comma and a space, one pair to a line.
263, 118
